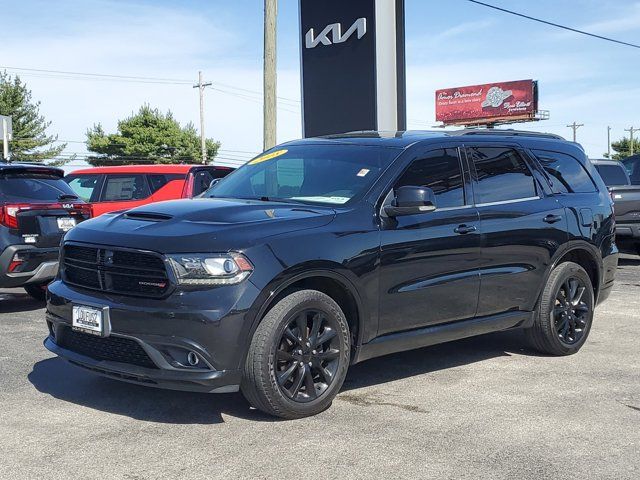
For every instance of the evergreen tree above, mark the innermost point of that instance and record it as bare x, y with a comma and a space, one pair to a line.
148, 136
30, 141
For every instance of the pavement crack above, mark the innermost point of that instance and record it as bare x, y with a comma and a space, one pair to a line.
363, 401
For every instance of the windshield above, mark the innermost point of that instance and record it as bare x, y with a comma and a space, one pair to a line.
612, 175
329, 174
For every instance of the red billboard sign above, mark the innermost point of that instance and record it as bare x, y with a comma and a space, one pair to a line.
487, 103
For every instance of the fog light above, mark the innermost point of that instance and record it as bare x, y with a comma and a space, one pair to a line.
193, 359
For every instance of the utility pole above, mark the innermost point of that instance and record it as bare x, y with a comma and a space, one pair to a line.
631, 130
5, 140
203, 140
608, 142
270, 75
575, 126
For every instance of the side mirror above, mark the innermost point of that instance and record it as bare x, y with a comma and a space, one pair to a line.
410, 200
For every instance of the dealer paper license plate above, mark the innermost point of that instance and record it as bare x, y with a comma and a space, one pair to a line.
88, 320
66, 223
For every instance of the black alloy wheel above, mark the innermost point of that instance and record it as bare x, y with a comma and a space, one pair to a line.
298, 357
565, 311
308, 355
571, 313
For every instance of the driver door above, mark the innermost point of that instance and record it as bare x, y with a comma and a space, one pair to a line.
429, 262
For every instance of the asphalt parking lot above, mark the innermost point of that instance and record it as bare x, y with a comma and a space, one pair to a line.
479, 408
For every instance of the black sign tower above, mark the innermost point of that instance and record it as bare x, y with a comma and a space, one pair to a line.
353, 66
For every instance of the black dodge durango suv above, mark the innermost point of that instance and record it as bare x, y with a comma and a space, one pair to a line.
325, 252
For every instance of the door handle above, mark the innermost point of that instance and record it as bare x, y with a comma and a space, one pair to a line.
464, 229
552, 218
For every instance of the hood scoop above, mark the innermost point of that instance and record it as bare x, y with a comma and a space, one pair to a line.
148, 216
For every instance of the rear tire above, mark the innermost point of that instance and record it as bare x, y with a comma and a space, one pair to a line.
37, 290
565, 313
298, 357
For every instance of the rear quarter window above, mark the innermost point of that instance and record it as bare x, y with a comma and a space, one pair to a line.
566, 173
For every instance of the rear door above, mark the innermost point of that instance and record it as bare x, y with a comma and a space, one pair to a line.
122, 192
429, 262
522, 227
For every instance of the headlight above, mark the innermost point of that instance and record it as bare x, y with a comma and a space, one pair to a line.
210, 268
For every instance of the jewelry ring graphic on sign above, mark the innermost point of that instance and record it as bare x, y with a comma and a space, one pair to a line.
496, 97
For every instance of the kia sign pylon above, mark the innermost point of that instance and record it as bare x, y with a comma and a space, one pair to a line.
353, 66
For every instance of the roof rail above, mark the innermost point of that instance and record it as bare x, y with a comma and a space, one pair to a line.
507, 132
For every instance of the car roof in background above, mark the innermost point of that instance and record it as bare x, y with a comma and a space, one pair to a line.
606, 161
30, 168
144, 169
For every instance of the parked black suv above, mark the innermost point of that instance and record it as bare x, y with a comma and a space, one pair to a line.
328, 251
36, 208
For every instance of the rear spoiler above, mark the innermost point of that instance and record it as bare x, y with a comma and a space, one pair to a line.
25, 169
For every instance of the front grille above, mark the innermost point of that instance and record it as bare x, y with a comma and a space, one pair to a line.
125, 272
114, 349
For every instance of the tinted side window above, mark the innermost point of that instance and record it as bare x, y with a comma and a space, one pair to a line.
23, 188
440, 170
612, 175
632, 164
502, 175
201, 182
125, 187
566, 173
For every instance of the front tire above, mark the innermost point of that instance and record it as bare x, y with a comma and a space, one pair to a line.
298, 357
37, 290
565, 313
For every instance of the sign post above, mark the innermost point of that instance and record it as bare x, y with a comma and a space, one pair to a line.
353, 66
7, 134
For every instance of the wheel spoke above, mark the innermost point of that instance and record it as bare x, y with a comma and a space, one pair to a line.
284, 356
291, 336
301, 322
315, 328
326, 375
285, 375
309, 385
326, 335
573, 289
578, 296
297, 384
328, 355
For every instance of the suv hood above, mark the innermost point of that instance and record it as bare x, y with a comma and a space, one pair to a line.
200, 225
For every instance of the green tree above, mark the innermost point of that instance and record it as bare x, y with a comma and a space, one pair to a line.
621, 147
30, 141
148, 136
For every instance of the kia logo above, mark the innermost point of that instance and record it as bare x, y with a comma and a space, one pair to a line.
68, 206
333, 34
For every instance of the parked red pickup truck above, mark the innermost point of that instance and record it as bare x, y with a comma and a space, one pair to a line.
109, 189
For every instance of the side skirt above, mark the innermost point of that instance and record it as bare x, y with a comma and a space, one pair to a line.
423, 337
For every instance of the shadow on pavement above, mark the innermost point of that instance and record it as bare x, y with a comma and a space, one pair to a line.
17, 300
66, 382
628, 261
438, 357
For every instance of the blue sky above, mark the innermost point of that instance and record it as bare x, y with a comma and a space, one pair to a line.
449, 43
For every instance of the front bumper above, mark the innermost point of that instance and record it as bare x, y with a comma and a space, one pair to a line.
213, 324
43, 265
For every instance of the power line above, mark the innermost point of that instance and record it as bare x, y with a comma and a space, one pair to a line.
72, 75
575, 30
